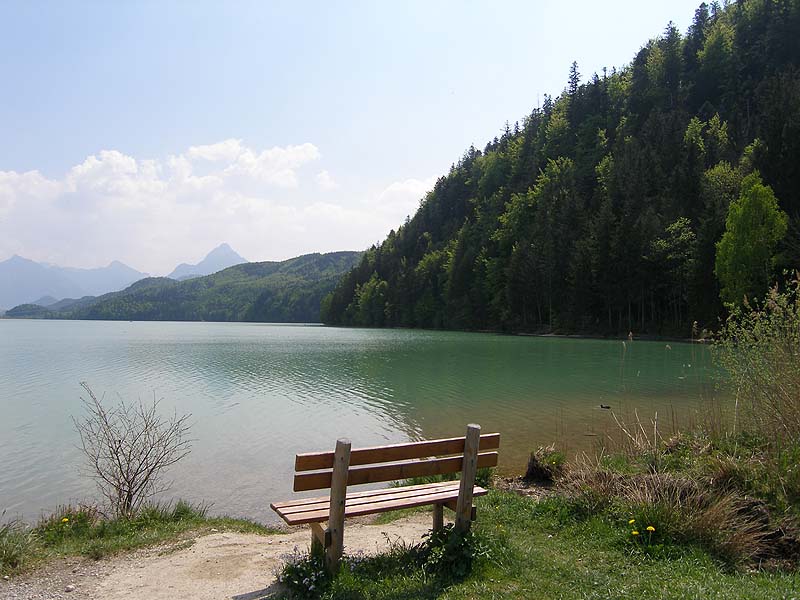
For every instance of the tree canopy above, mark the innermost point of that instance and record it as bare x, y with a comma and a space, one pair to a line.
601, 211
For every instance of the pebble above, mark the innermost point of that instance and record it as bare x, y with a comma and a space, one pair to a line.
6, 577
69, 588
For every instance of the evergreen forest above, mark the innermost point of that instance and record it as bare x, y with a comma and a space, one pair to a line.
650, 198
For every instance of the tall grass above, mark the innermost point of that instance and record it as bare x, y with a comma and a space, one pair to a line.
85, 531
731, 485
759, 347
16, 542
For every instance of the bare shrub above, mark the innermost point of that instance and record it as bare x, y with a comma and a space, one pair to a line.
128, 447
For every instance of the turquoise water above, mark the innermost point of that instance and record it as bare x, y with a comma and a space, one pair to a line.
259, 393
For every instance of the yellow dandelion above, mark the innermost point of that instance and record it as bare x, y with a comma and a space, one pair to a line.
634, 532
650, 528
65, 520
632, 521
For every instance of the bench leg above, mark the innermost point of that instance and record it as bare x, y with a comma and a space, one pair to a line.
468, 471
438, 516
320, 538
316, 545
341, 464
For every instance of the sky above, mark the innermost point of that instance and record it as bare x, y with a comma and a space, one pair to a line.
151, 132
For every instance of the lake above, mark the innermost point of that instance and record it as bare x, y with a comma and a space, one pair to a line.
259, 393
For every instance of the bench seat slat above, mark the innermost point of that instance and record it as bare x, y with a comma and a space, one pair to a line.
367, 493
314, 461
380, 503
394, 494
392, 472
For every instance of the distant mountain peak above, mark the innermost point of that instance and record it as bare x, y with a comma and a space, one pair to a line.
23, 281
221, 257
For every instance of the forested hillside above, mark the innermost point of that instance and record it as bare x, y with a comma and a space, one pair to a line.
605, 209
288, 291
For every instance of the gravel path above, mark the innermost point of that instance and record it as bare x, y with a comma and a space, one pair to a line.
214, 566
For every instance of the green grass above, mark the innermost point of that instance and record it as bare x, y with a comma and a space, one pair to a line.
521, 548
72, 531
551, 549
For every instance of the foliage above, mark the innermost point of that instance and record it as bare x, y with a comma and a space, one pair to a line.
444, 557
450, 554
305, 575
746, 252
602, 209
759, 346
545, 464
278, 292
128, 447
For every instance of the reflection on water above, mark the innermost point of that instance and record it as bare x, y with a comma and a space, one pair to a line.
261, 393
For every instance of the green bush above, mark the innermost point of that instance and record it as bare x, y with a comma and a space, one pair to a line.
443, 558
545, 464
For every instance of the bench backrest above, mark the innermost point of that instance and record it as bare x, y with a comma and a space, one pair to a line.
415, 459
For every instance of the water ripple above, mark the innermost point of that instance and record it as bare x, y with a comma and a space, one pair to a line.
258, 394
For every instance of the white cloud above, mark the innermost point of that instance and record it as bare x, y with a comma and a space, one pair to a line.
402, 198
153, 214
325, 181
227, 151
276, 166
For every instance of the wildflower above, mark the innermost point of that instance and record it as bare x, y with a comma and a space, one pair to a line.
65, 520
634, 532
632, 521
650, 528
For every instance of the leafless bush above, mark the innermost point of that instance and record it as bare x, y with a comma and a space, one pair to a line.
128, 447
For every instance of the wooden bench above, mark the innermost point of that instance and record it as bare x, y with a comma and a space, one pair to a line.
345, 467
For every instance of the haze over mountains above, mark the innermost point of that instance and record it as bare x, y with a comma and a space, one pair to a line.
24, 281
287, 292
221, 257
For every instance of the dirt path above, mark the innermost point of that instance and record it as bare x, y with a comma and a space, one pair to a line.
214, 566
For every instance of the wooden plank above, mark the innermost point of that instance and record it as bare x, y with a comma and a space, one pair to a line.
392, 472
318, 535
367, 498
453, 505
352, 495
341, 465
314, 461
438, 517
468, 472
381, 506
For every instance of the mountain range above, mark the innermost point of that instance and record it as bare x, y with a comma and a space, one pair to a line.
286, 291
24, 281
